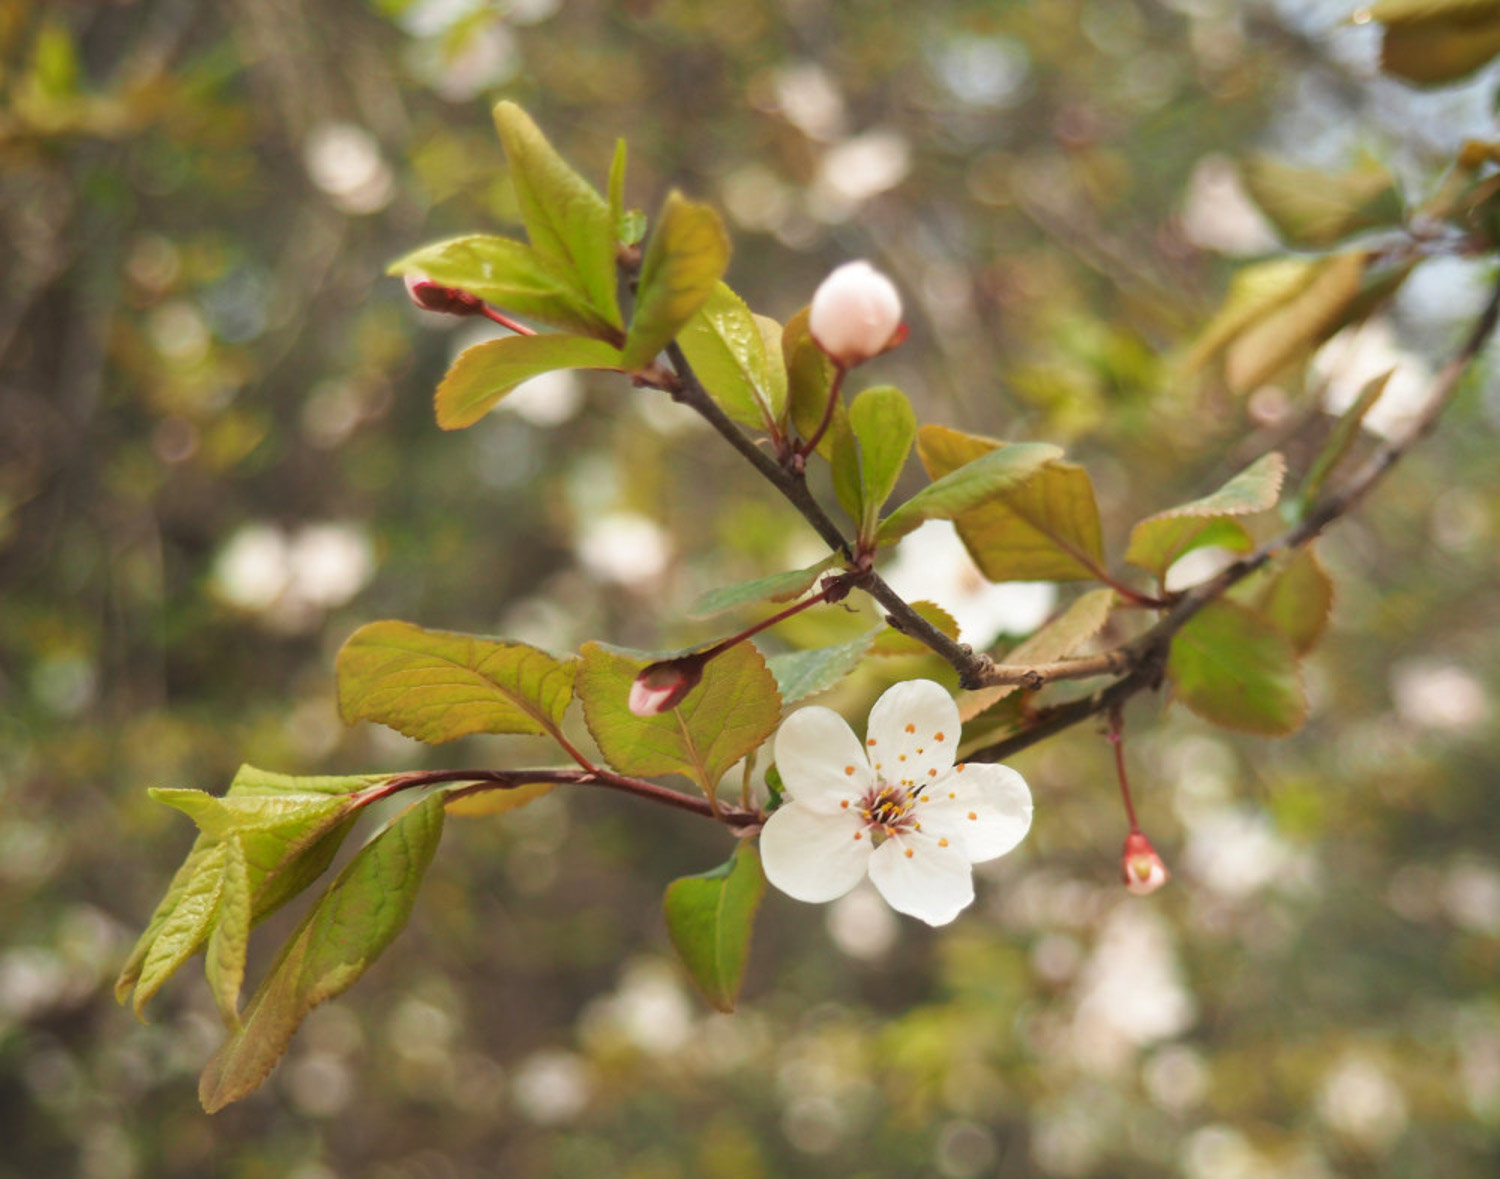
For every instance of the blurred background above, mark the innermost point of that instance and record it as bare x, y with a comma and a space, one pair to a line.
217, 458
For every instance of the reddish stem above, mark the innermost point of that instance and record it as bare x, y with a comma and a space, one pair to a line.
1116, 737
833, 396
506, 321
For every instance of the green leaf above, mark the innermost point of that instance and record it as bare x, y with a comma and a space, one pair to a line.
1342, 437
224, 961
686, 256
513, 276
891, 641
1044, 526
778, 587
485, 373
359, 915
727, 349
732, 710
565, 218
1314, 209
497, 802
800, 674
884, 427
809, 385
1058, 639
437, 685
1295, 596
183, 929
1159, 540
1234, 668
710, 919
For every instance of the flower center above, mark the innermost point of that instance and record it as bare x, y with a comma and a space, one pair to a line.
887, 810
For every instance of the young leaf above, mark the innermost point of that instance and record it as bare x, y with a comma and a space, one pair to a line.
183, 928
564, 216
727, 349
809, 385
1342, 438
1058, 639
891, 641
359, 915
686, 256
1295, 596
778, 587
485, 373
1234, 668
224, 960
1043, 528
436, 685
732, 710
800, 674
884, 426
1434, 42
1315, 209
515, 277
710, 919
1159, 540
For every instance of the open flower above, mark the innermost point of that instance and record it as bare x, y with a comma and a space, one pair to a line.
895, 807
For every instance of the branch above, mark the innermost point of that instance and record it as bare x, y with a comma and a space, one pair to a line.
1144, 658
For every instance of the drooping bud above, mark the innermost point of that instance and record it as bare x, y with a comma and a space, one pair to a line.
1143, 870
660, 687
855, 314
431, 296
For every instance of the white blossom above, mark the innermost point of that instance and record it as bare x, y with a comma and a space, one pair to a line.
895, 808
855, 314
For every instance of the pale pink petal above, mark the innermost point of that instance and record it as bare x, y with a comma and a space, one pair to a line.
821, 761
913, 733
811, 856
920, 877
989, 806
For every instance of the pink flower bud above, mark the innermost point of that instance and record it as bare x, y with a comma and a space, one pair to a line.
429, 296
660, 687
855, 314
1143, 870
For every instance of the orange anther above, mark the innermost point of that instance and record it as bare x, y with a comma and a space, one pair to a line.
910, 853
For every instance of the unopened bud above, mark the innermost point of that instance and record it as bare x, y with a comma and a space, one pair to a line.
660, 687
855, 314
431, 296
1144, 872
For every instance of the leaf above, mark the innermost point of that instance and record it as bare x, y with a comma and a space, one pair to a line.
360, 914
1342, 437
800, 674
486, 372
809, 386
183, 929
1296, 597
1315, 209
1254, 293
778, 587
710, 919
563, 215
884, 426
732, 710
686, 256
1063, 636
1434, 42
727, 349
514, 277
224, 962
891, 641
1234, 668
1158, 541
497, 802
1288, 333
1042, 528
437, 685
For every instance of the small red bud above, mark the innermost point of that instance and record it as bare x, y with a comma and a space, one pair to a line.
430, 296
1142, 868
660, 687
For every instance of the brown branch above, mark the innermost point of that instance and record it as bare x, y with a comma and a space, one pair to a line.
1144, 658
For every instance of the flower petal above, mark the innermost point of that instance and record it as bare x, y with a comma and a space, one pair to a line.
989, 806
913, 733
920, 877
821, 761
812, 856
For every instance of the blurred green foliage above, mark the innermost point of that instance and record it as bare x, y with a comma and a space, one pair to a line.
218, 457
